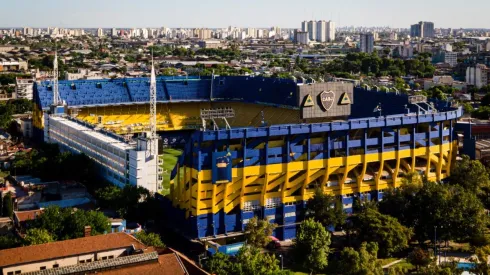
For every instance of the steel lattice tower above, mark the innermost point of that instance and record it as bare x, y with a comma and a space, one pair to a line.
153, 107
56, 94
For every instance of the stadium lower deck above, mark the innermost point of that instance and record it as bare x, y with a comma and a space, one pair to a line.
274, 161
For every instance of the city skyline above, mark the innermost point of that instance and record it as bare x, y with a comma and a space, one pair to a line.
254, 13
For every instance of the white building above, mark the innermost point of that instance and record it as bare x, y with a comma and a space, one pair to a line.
312, 30
100, 32
24, 88
301, 37
321, 31
477, 76
144, 33
114, 32
304, 26
330, 31
121, 162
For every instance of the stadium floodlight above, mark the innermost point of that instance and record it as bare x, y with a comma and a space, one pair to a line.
218, 113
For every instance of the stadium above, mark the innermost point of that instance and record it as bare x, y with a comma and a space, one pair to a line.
251, 146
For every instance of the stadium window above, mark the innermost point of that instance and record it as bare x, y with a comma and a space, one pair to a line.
89, 260
221, 82
10, 273
81, 262
56, 265
104, 258
18, 272
111, 257
42, 268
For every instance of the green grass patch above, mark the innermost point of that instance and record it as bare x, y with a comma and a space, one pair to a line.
404, 265
170, 158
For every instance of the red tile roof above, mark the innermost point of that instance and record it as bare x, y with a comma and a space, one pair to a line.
43, 252
23, 216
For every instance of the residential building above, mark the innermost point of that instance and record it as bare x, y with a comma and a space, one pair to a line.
100, 32
13, 65
300, 37
312, 30
321, 31
450, 58
114, 32
304, 26
24, 88
477, 76
366, 43
422, 30
330, 31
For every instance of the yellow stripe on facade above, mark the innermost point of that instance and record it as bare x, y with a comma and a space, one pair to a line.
293, 181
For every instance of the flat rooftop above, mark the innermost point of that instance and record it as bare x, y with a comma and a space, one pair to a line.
94, 133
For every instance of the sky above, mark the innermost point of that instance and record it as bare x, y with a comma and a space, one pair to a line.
241, 13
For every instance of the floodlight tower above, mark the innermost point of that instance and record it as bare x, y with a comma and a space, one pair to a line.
56, 94
153, 112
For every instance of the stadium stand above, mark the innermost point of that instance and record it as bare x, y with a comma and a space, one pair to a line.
276, 159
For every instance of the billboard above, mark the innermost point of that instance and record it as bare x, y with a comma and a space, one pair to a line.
221, 167
330, 99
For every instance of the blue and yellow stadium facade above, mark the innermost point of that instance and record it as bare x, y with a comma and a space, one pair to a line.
275, 170
272, 159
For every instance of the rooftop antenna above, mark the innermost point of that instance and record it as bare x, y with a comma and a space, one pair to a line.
56, 94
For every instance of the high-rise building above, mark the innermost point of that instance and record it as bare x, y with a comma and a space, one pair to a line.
144, 33
114, 32
422, 30
321, 31
312, 30
300, 37
100, 32
366, 43
304, 26
330, 31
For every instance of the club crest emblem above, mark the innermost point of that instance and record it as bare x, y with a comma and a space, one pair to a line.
327, 99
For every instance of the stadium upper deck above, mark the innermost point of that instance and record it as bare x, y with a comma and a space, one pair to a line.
89, 93
120, 104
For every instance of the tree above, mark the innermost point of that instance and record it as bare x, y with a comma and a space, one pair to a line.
8, 205
372, 226
150, 239
458, 213
9, 242
250, 260
311, 246
65, 223
257, 232
219, 264
326, 209
38, 236
481, 262
361, 261
472, 176
419, 257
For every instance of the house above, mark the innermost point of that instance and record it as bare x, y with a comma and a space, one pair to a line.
117, 253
